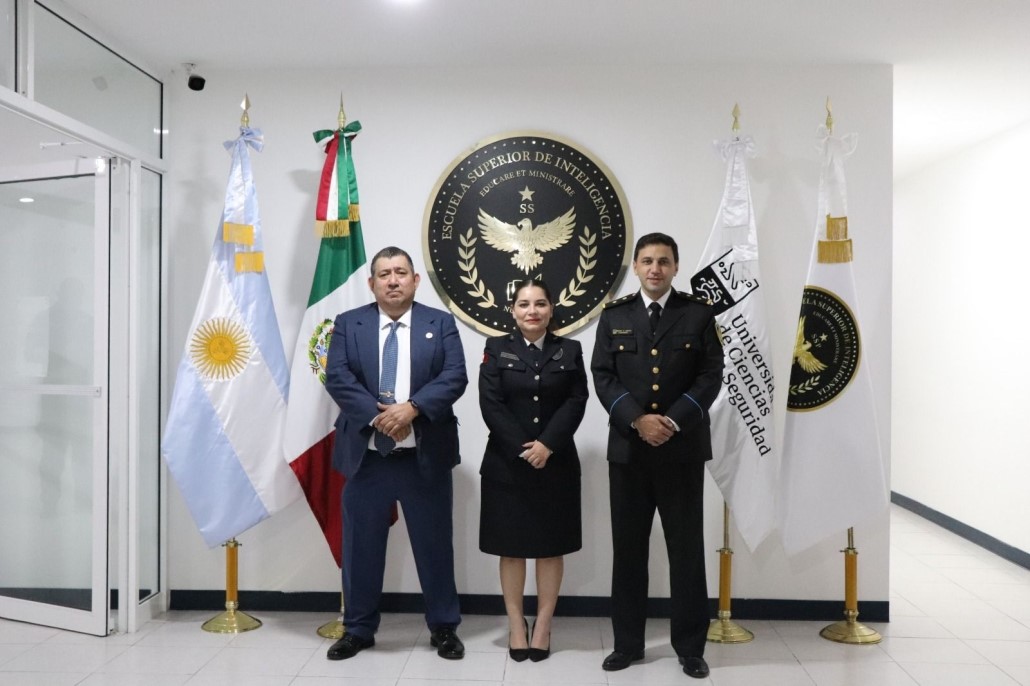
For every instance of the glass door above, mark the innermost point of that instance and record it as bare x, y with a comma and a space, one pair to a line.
54, 406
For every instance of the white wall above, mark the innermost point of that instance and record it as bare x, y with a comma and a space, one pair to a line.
960, 382
653, 128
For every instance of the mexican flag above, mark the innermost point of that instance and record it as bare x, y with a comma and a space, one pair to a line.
340, 284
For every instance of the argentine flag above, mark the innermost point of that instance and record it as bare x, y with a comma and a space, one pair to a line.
223, 438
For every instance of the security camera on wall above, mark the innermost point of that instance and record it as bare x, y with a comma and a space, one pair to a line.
194, 81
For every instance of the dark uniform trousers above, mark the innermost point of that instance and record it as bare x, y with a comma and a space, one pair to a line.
675, 372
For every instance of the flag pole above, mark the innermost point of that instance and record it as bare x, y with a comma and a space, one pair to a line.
724, 629
849, 629
335, 629
231, 621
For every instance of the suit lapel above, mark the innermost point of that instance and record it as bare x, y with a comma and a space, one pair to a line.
422, 344
516, 345
368, 347
670, 315
640, 319
552, 347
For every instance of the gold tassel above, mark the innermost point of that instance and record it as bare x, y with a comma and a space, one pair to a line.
333, 228
837, 248
240, 234
250, 262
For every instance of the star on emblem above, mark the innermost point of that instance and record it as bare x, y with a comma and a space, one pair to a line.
527, 194
802, 354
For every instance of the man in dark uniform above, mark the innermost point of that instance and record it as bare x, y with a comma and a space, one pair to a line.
657, 368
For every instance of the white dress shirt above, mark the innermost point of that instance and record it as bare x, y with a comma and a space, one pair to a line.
402, 388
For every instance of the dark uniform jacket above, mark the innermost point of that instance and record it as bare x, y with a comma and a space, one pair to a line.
521, 403
676, 372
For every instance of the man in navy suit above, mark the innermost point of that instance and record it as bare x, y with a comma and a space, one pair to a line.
396, 441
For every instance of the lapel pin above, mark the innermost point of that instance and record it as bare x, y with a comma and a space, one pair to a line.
429, 334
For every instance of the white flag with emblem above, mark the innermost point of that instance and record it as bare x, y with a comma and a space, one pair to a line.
745, 460
833, 475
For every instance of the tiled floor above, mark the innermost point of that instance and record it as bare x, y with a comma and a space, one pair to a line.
960, 616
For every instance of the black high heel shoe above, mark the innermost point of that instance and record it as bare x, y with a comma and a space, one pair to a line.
519, 654
540, 654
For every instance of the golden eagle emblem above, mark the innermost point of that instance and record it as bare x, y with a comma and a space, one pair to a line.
524, 239
802, 354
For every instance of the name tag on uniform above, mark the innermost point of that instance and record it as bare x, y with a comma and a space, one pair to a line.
509, 356
622, 332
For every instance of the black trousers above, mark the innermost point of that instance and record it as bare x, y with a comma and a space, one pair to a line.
675, 488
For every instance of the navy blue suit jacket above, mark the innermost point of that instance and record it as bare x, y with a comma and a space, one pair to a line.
438, 378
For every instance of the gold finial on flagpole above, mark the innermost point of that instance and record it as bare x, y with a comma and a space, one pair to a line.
736, 118
342, 117
245, 105
829, 115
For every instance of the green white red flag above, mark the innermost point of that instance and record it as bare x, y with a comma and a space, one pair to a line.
339, 284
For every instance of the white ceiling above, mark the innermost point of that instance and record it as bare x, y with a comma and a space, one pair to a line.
962, 68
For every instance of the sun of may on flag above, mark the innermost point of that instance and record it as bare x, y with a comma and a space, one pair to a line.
745, 460
223, 438
340, 284
832, 475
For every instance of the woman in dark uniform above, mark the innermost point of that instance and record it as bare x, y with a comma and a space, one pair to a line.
532, 392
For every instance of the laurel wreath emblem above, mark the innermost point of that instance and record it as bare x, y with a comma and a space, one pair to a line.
587, 251
467, 252
805, 386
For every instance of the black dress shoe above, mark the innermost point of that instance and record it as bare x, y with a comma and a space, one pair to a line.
348, 646
447, 644
519, 654
540, 654
617, 660
695, 667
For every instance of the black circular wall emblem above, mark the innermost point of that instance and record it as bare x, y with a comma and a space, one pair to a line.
521, 205
827, 351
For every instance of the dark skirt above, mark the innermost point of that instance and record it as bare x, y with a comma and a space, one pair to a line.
530, 521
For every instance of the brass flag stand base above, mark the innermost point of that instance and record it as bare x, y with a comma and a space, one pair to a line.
333, 629
231, 621
850, 630
724, 629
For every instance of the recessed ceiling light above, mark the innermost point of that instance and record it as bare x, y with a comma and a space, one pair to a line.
26, 200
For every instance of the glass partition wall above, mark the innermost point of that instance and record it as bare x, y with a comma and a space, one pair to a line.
8, 47
81, 492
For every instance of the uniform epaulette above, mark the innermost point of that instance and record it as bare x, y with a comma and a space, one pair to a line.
620, 301
695, 298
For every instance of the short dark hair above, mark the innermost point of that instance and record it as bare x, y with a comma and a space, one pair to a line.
388, 252
657, 239
528, 283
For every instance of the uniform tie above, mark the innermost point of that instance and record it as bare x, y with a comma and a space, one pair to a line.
387, 383
534, 354
656, 312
